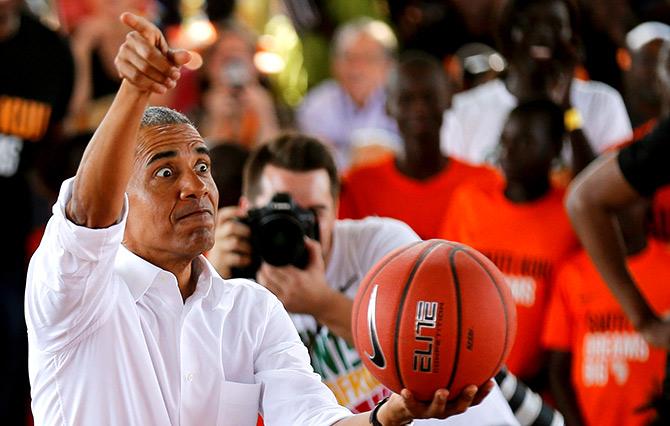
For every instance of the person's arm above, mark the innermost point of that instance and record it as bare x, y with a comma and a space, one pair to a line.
560, 366
293, 394
146, 65
402, 409
593, 198
582, 152
67, 289
307, 292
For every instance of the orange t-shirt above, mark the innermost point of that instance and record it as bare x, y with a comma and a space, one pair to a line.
526, 241
614, 370
381, 190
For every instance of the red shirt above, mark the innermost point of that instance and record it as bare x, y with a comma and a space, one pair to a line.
614, 370
526, 241
381, 190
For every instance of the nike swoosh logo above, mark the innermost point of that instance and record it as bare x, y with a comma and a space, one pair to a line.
377, 357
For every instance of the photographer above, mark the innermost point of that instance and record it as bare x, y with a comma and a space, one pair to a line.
320, 296
236, 107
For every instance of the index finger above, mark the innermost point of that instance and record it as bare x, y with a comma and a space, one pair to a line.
148, 30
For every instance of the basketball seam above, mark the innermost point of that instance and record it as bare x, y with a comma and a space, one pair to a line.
502, 300
396, 345
365, 288
457, 291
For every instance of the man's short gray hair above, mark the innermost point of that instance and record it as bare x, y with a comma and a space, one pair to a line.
375, 29
158, 116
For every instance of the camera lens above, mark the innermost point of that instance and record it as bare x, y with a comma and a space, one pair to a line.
281, 240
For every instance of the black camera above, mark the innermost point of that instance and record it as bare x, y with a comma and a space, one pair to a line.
278, 233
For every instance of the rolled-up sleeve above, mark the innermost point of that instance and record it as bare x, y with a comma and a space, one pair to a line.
69, 289
292, 393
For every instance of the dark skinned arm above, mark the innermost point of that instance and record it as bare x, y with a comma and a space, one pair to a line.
146, 65
582, 153
593, 199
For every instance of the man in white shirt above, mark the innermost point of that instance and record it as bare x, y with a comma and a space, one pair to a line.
362, 55
540, 41
320, 296
128, 323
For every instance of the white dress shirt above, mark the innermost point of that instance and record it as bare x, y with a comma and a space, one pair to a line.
112, 343
472, 127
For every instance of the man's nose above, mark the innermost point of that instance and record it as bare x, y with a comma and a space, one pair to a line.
193, 185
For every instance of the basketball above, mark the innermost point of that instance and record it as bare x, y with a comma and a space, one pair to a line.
434, 314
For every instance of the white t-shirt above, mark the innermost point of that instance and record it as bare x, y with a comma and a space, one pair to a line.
472, 127
112, 343
357, 246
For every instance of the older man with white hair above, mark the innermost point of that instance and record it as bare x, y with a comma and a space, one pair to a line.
349, 109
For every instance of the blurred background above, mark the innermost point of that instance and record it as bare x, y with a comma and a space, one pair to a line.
264, 66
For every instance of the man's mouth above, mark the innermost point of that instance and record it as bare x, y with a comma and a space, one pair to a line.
540, 52
197, 213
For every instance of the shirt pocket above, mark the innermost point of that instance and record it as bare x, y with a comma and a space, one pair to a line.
238, 404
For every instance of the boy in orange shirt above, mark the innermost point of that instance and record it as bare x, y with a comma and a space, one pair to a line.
415, 187
520, 224
603, 372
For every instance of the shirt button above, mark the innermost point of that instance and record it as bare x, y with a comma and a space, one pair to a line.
189, 377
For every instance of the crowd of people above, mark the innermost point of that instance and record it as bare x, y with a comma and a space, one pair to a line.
133, 288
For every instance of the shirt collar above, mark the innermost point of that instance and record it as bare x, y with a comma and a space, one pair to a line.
140, 274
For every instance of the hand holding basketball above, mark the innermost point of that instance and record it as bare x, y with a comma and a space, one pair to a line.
434, 315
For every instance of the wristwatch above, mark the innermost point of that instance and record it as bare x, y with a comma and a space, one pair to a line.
373, 414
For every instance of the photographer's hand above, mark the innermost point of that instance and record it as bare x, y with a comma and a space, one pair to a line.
306, 291
231, 245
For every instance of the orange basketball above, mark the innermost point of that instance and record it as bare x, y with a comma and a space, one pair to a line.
434, 314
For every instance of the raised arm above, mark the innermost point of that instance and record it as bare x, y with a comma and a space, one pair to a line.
146, 65
593, 199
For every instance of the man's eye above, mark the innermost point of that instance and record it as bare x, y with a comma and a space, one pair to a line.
164, 172
202, 167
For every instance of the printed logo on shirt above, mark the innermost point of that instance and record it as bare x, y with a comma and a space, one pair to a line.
523, 289
24, 118
522, 274
607, 354
608, 347
342, 371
